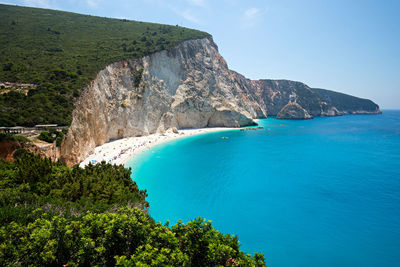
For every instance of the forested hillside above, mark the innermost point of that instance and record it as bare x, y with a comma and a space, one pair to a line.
59, 53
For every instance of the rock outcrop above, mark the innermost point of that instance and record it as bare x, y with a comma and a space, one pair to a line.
189, 86
293, 111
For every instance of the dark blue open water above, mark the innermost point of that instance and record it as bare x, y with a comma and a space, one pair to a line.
321, 192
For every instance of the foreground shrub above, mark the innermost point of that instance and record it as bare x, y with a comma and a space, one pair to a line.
31, 182
128, 237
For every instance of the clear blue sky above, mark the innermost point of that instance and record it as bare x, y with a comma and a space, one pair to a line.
349, 46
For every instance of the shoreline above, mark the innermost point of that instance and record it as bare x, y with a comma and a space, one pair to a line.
122, 150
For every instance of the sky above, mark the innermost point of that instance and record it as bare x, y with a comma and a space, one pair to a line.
350, 46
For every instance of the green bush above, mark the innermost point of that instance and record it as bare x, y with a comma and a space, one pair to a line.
13, 137
128, 237
21, 138
59, 139
138, 77
33, 181
46, 136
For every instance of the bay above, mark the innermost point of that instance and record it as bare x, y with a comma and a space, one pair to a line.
321, 192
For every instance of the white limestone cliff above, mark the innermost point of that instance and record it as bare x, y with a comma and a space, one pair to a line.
189, 86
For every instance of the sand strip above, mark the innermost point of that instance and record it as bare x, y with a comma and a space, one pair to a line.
122, 150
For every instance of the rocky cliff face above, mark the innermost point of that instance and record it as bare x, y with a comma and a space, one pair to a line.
276, 94
188, 86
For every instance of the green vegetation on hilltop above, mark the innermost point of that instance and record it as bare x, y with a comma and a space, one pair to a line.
346, 103
51, 215
61, 53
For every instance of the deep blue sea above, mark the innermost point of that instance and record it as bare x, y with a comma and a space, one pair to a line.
321, 192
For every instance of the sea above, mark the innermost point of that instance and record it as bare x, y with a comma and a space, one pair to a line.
320, 192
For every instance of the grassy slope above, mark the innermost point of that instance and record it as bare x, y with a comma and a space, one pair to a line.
62, 52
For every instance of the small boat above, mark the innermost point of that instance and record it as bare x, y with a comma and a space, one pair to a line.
224, 137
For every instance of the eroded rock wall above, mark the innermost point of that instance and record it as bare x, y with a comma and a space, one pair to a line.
189, 86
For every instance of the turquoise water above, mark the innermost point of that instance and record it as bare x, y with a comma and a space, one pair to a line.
321, 192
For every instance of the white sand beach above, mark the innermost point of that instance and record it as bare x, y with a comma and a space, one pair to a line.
120, 151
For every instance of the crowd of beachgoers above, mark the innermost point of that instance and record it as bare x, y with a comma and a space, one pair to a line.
120, 151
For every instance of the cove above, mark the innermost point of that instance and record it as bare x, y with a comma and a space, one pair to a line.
321, 192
